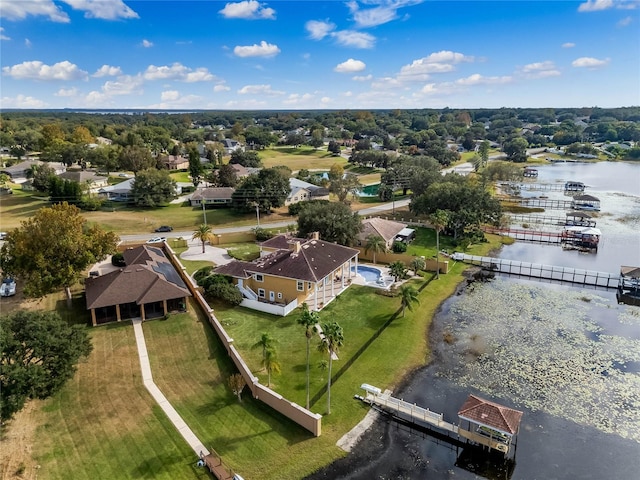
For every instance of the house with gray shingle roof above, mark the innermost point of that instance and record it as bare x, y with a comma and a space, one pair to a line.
292, 271
148, 287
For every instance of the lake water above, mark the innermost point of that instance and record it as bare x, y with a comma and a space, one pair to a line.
569, 358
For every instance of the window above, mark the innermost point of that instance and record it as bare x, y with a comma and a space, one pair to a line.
300, 286
309, 286
259, 277
279, 296
261, 292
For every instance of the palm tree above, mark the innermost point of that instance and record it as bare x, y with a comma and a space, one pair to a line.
204, 234
308, 320
417, 263
270, 363
439, 220
376, 244
408, 296
266, 342
398, 270
332, 340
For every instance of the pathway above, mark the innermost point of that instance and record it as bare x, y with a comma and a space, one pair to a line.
147, 380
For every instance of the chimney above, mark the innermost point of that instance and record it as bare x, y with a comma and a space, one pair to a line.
315, 236
295, 246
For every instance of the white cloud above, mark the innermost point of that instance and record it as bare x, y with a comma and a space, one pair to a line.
386, 83
263, 50
221, 88
595, 5
22, 101
445, 88
447, 56
178, 72
27, 43
351, 38
385, 11
259, 90
146, 43
438, 62
568, 45
107, 71
625, 22
318, 29
540, 70
589, 62
2, 35
350, 66
39, 71
21, 9
111, 10
123, 85
249, 10
362, 78
169, 95
477, 79
296, 99
67, 92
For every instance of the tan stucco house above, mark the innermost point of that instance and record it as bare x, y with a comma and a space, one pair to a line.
291, 271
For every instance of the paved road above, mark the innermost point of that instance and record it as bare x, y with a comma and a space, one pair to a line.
247, 228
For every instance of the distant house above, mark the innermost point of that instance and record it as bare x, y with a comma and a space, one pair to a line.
19, 171
301, 191
292, 271
119, 192
230, 146
388, 230
242, 171
212, 196
95, 182
148, 287
175, 162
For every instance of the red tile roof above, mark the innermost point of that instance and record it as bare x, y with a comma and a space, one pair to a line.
490, 414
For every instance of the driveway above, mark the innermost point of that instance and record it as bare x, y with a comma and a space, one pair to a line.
217, 255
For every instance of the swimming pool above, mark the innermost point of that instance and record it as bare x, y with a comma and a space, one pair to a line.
373, 276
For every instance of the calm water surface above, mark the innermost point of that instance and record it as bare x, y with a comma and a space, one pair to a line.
569, 358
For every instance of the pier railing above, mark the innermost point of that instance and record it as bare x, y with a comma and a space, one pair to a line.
537, 270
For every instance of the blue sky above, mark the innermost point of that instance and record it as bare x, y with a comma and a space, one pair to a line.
367, 54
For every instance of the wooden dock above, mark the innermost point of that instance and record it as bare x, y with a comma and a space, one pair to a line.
526, 235
549, 203
557, 273
216, 466
568, 220
569, 187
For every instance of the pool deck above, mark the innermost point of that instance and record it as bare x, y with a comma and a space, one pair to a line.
360, 280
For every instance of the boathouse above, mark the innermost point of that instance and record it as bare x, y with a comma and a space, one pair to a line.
586, 202
530, 172
489, 421
581, 237
629, 286
579, 219
574, 187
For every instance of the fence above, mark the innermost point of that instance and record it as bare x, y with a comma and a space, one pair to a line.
303, 417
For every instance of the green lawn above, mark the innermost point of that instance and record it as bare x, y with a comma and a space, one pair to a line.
299, 158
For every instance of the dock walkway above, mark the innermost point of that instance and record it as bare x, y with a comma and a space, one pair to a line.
535, 270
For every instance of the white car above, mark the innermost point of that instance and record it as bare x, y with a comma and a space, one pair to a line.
156, 240
8, 287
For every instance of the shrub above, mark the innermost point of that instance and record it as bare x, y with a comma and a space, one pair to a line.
262, 234
295, 208
225, 292
214, 279
202, 273
399, 247
117, 260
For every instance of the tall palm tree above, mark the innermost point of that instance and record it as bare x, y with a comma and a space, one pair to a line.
408, 296
270, 363
265, 343
398, 270
332, 340
376, 244
439, 220
204, 234
309, 320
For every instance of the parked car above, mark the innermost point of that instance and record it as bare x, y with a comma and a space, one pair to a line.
3, 235
164, 228
156, 240
8, 287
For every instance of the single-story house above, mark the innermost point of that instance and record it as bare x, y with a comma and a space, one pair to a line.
302, 191
175, 162
294, 271
230, 146
242, 171
214, 196
388, 230
19, 171
119, 192
148, 287
95, 182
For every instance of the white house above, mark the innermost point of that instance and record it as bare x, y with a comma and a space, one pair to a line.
302, 191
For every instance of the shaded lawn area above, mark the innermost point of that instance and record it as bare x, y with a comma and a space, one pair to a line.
425, 243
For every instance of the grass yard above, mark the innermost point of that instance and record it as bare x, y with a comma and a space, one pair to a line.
299, 158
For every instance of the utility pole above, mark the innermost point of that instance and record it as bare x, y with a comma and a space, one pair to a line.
258, 213
204, 212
